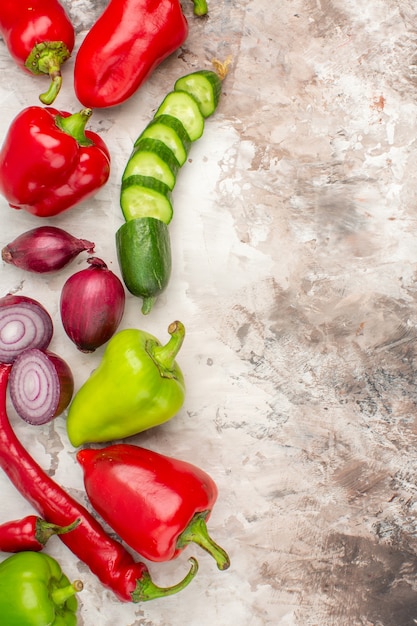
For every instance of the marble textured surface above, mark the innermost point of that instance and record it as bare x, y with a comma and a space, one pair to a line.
295, 253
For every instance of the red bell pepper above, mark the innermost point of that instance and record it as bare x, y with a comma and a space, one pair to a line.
155, 503
49, 162
40, 38
128, 41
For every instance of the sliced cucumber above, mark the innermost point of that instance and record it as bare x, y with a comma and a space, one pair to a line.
144, 196
184, 107
151, 157
144, 255
205, 86
172, 133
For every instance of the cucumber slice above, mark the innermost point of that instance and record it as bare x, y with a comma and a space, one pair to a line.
144, 255
184, 107
205, 86
144, 196
151, 157
172, 133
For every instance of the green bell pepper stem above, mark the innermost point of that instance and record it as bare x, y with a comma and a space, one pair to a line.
196, 532
61, 594
47, 58
74, 125
147, 590
200, 7
164, 356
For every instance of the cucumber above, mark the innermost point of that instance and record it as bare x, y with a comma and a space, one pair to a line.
205, 86
144, 255
171, 132
144, 196
151, 157
184, 107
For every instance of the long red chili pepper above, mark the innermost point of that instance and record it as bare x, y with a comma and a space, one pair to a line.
106, 557
40, 38
29, 533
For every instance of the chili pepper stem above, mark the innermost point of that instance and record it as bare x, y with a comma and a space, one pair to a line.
147, 590
47, 58
164, 356
45, 530
196, 532
200, 7
60, 595
75, 124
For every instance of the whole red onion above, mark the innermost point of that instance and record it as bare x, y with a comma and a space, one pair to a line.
24, 323
92, 305
44, 249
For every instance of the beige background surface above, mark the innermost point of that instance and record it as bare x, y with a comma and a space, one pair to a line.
295, 251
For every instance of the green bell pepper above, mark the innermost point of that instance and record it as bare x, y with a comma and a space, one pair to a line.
35, 592
137, 385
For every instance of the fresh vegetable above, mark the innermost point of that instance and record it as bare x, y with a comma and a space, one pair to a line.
24, 323
137, 385
92, 305
29, 533
157, 504
133, 37
35, 592
142, 243
107, 558
44, 249
40, 38
41, 385
49, 162
148, 244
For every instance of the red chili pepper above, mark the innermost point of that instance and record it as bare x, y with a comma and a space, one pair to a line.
40, 38
106, 557
29, 533
128, 41
49, 162
156, 504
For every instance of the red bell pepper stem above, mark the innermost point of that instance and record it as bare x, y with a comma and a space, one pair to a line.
200, 7
74, 125
196, 532
47, 58
106, 557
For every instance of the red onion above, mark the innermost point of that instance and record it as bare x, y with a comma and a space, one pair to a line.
24, 323
44, 249
92, 305
41, 386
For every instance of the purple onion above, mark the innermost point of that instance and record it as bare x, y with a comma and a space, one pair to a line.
44, 249
92, 305
24, 323
41, 386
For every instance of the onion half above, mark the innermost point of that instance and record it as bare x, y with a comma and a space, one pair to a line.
24, 323
41, 386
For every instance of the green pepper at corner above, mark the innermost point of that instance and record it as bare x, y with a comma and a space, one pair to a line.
35, 592
136, 386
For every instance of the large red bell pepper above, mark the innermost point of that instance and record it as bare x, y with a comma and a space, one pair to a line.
128, 41
49, 162
39, 36
155, 503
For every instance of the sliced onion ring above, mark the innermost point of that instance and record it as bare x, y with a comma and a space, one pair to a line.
41, 386
24, 323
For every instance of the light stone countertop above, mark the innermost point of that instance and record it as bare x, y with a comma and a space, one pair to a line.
294, 271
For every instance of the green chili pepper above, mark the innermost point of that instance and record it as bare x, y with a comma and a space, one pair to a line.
35, 592
136, 386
